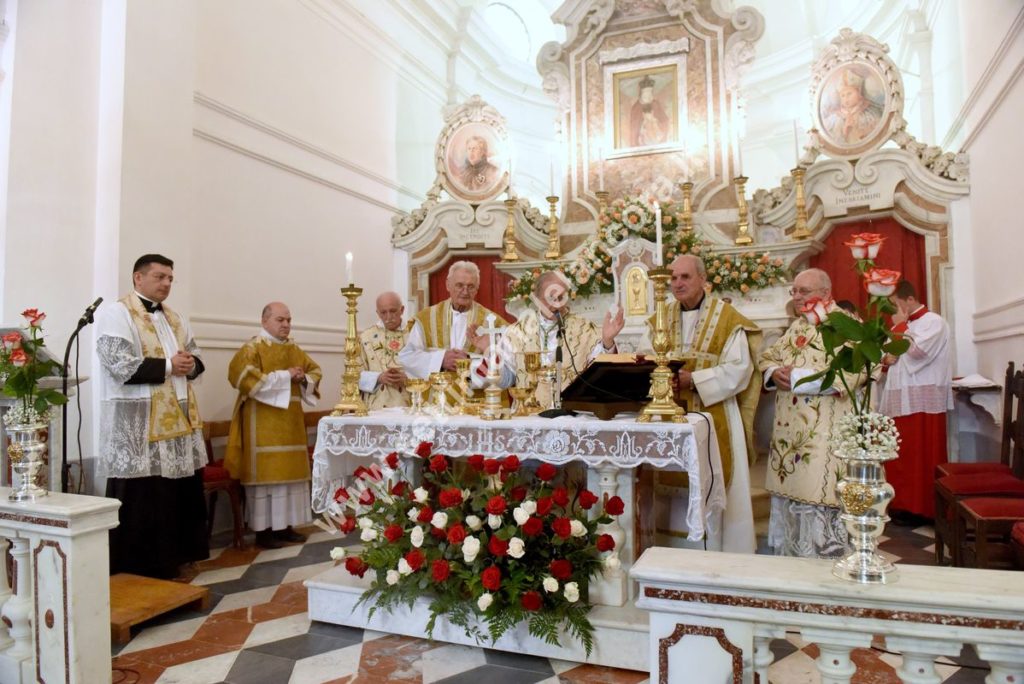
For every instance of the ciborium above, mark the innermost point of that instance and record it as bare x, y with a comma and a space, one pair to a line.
439, 384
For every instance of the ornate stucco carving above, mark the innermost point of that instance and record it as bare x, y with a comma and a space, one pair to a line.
639, 50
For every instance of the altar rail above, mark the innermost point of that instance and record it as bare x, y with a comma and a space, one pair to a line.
56, 612
716, 613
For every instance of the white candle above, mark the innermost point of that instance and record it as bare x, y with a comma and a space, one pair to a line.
739, 154
551, 184
796, 144
658, 260
510, 176
348, 268
600, 169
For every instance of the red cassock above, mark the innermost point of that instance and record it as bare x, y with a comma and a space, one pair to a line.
912, 475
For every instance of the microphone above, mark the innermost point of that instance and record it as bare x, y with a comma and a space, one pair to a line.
87, 317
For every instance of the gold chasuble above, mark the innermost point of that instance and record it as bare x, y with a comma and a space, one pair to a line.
166, 418
380, 349
267, 445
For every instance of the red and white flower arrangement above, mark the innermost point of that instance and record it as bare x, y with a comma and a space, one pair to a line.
22, 365
486, 541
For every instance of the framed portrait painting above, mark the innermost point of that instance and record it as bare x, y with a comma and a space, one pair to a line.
851, 108
475, 161
646, 103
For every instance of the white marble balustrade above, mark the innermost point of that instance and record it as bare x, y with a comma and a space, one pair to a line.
715, 613
55, 615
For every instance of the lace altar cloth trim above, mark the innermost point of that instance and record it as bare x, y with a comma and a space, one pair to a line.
623, 443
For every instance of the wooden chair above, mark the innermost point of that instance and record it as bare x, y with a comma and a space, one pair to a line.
995, 483
984, 526
216, 479
1003, 464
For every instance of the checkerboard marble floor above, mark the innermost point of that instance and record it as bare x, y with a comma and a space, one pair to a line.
257, 631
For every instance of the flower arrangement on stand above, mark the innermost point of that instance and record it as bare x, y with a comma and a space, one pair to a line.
21, 368
744, 272
863, 439
488, 544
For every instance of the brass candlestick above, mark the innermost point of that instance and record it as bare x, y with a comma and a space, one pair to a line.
554, 244
800, 231
351, 400
742, 234
509, 239
602, 200
662, 404
687, 189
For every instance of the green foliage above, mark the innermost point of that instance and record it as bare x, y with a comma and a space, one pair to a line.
21, 369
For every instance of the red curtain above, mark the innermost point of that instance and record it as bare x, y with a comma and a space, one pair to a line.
493, 283
902, 251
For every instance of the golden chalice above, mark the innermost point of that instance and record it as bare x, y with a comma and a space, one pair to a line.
439, 383
520, 399
416, 387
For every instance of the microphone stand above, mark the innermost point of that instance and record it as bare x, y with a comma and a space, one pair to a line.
556, 394
64, 469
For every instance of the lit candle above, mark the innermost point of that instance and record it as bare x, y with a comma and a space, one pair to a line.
796, 144
348, 268
658, 260
600, 169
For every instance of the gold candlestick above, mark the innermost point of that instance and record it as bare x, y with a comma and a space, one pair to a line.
554, 245
602, 201
687, 189
662, 404
509, 239
351, 401
742, 234
800, 231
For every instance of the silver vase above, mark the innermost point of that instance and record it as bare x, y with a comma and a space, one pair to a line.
26, 451
865, 495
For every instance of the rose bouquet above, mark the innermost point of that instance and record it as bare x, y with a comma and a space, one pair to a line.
21, 368
486, 541
744, 272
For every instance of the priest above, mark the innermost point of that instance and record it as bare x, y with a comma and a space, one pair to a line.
151, 437
267, 444
715, 343
382, 380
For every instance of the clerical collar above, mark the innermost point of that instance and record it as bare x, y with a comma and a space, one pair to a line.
265, 334
683, 307
921, 311
150, 305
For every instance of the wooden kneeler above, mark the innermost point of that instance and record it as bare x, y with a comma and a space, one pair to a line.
135, 599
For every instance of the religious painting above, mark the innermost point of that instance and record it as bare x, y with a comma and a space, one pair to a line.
851, 105
645, 107
473, 161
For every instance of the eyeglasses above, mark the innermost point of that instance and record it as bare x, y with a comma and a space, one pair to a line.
803, 291
464, 287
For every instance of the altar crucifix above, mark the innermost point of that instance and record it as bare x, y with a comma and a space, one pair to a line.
492, 393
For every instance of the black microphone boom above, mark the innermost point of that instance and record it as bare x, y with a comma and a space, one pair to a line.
85, 320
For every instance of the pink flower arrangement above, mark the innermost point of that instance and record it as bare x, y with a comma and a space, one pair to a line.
22, 365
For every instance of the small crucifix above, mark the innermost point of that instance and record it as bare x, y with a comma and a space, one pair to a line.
492, 350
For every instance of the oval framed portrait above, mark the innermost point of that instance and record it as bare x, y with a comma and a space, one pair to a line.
851, 107
475, 162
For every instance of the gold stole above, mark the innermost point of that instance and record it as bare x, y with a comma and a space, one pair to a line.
166, 419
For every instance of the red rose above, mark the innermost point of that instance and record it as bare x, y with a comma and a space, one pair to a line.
614, 506
476, 462
349, 524
393, 532
560, 496
491, 578
356, 566
440, 570
367, 498
561, 569
605, 542
510, 464
456, 534
437, 532
517, 493
881, 282
450, 498
544, 504
491, 466
562, 527
425, 515
587, 499
18, 357
415, 559
438, 464
496, 505
533, 526
497, 547
423, 450
341, 494
399, 488
34, 317
546, 472
531, 600
392, 460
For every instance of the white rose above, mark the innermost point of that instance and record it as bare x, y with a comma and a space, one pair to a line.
484, 602
530, 506
439, 520
368, 534
420, 494
470, 547
612, 563
466, 495
406, 569
365, 523
550, 584
572, 592
516, 547
416, 536
520, 515
578, 528
474, 523
494, 521
414, 514
338, 553
393, 575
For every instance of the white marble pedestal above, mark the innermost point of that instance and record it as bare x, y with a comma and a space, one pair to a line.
620, 639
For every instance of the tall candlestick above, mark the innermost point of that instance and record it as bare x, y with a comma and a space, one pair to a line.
658, 259
600, 168
796, 144
348, 268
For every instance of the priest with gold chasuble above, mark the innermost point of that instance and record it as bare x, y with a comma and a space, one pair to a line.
716, 344
382, 380
267, 445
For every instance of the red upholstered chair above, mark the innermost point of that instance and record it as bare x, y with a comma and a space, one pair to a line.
216, 479
1017, 543
1003, 464
983, 530
995, 483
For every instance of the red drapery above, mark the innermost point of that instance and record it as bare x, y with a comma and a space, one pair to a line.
902, 251
493, 283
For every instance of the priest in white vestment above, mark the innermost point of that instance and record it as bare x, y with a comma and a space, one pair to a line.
151, 438
715, 342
